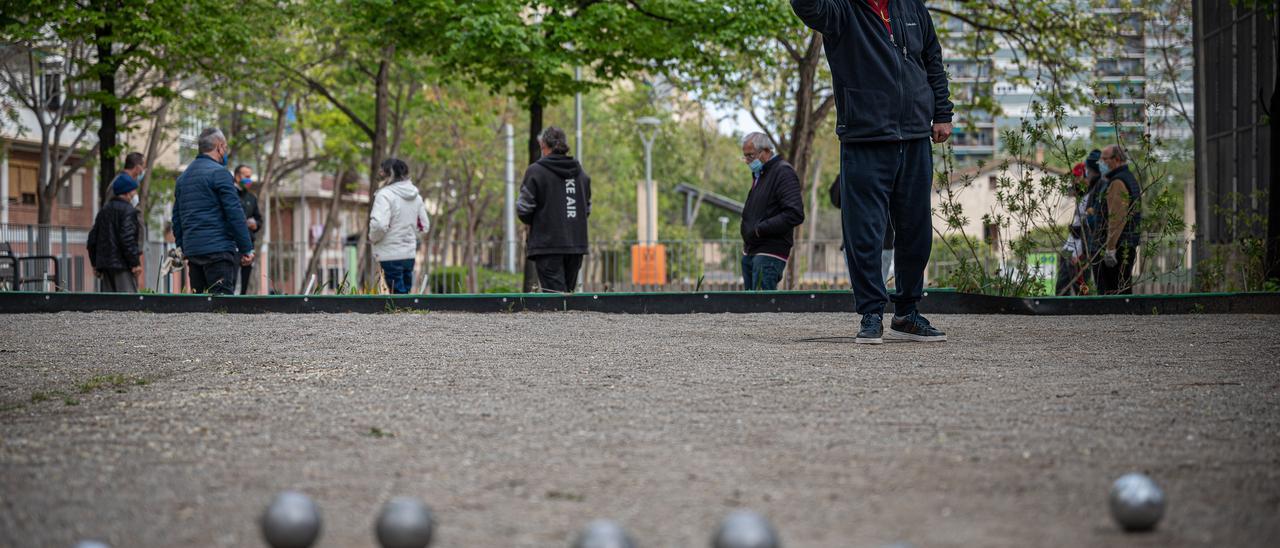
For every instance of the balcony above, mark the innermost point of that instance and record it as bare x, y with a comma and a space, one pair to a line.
1120, 68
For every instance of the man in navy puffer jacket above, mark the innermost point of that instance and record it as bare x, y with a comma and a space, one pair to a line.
891, 98
208, 221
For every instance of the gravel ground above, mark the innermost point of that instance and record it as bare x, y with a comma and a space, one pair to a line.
175, 430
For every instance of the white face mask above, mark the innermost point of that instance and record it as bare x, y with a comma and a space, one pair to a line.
134, 200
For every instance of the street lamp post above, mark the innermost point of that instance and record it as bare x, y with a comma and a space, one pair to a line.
647, 127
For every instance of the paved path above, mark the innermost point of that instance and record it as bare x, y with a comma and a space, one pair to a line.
175, 430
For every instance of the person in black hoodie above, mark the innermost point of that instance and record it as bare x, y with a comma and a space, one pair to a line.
769, 216
113, 246
891, 98
555, 201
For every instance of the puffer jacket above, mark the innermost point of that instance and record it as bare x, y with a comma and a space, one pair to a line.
399, 216
113, 241
207, 215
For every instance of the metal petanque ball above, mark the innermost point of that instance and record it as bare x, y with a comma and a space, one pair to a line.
745, 529
603, 533
405, 522
91, 544
292, 520
1137, 503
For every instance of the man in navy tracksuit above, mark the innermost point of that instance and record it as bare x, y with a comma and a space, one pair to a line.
891, 98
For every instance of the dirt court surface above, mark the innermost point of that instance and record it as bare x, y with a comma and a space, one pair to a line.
175, 430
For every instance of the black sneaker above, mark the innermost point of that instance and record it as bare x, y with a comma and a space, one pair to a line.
914, 327
872, 331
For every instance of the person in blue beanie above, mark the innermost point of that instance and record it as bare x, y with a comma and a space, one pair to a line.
113, 242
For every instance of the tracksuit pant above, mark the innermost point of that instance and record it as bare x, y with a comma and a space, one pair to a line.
879, 181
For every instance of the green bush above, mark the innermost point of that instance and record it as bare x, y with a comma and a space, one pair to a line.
453, 280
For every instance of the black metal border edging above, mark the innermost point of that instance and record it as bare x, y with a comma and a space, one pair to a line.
935, 302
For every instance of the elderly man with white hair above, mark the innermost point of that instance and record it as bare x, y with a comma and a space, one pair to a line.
208, 220
770, 214
1114, 216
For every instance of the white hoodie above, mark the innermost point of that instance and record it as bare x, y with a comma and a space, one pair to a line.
398, 216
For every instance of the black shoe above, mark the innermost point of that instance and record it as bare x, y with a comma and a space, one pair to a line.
914, 327
872, 331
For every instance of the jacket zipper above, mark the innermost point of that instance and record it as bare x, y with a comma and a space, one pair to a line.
902, 96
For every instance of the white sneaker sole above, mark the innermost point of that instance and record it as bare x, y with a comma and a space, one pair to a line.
893, 334
861, 340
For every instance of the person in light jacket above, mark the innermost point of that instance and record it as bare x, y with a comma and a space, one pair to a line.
399, 216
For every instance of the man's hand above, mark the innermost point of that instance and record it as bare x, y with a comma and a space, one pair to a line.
1110, 259
246, 260
253, 225
941, 132
136, 270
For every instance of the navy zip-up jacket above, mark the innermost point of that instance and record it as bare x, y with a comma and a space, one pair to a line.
888, 86
207, 216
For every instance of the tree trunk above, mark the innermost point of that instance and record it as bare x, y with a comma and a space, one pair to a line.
811, 218
264, 195
381, 107
106, 67
1273, 204
153, 148
535, 153
341, 180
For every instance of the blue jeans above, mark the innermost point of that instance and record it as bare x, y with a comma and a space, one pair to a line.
878, 182
762, 272
399, 275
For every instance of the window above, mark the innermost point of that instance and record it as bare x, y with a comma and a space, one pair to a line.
77, 189
993, 182
51, 88
991, 234
22, 183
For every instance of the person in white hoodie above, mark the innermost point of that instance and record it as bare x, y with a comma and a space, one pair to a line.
399, 216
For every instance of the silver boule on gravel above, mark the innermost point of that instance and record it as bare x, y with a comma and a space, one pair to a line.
91, 544
1137, 503
404, 522
745, 529
603, 533
292, 520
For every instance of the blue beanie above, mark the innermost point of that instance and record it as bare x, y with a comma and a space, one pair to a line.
123, 184
1092, 160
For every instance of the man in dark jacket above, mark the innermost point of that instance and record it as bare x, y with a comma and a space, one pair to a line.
555, 201
891, 98
252, 217
113, 241
772, 211
208, 221
1115, 217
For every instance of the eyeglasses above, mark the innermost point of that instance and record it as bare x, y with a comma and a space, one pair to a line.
750, 157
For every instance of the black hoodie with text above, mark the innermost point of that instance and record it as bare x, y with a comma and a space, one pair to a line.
555, 201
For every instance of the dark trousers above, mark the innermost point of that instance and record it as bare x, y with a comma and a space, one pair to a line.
399, 275
1118, 279
246, 274
879, 181
118, 281
1072, 275
214, 274
762, 272
558, 272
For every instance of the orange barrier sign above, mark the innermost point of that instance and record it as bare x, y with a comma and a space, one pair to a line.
649, 264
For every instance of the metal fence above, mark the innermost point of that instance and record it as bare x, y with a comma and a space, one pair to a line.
65, 244
453, 267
